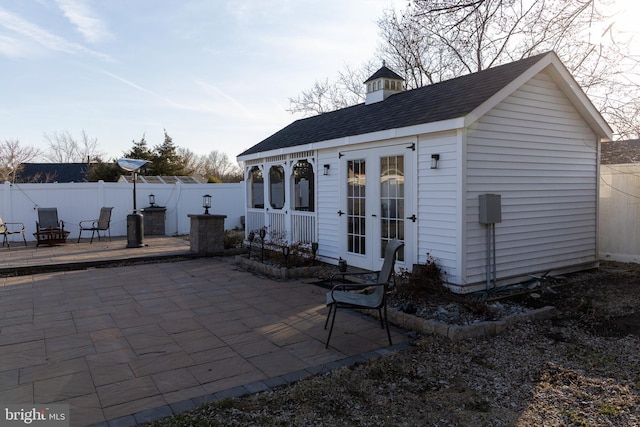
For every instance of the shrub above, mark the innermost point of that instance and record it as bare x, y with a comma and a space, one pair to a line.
233, 238
300, 253
425, 279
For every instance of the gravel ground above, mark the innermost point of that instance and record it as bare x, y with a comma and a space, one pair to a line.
579, 369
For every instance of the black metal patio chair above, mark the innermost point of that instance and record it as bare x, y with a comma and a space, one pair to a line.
103, 223
353, 295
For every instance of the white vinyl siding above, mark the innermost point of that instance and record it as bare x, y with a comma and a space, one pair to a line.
438, 194
328, 204
536, 151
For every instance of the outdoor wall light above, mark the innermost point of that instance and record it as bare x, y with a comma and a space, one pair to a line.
326, 169
152, 200
434, 161
206, 203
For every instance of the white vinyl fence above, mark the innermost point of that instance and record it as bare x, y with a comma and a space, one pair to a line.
82, 201
619, 216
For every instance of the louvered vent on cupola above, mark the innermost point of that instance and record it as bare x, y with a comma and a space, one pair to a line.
381, 84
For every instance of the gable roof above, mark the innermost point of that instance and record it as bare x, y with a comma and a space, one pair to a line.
450, 99
52, 172
620, 152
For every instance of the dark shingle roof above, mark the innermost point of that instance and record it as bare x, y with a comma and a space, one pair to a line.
618, 152
384, 72
441, 101
52, 172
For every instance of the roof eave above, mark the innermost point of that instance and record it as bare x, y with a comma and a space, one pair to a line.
425, 128
552, 64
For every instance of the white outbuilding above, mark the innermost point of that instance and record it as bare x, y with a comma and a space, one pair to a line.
493, 174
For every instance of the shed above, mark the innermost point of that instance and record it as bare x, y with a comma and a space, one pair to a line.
493, 174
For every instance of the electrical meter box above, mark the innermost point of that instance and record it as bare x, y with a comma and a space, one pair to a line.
490, 209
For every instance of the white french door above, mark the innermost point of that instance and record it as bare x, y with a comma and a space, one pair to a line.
377, 204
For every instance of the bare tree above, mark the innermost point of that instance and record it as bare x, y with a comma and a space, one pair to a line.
475, 35
326, 96
407, 50
65, 148
435, 40
189, 160
12, 156
216, 166
441, 39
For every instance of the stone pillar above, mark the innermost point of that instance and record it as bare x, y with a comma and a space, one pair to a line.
154, 218
206, 235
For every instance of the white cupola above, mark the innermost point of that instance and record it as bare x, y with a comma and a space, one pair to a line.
381, 84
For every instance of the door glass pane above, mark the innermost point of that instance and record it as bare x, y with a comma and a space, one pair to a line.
356, 185
391, 201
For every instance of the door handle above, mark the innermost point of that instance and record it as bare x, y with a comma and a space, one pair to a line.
340, 213
412, 217
374, 215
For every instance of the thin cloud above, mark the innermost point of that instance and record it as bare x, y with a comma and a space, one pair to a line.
42, 37
11, 47
134, 85
148, 92
239, 108
92, 29
213, 89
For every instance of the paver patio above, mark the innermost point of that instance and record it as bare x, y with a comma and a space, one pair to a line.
122, 345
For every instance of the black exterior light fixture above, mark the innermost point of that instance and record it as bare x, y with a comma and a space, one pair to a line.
152, 200
286, 251
263, 233
326, 169
251, 237
434, 161
206, 203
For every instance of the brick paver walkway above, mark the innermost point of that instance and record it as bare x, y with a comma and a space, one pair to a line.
127, 344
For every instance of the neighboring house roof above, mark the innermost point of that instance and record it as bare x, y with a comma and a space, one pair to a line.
463, 97
52, 172
619, 152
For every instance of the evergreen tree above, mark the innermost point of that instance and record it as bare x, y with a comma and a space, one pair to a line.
105, 171
140, 150
166, 160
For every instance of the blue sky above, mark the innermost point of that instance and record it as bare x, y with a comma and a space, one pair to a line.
216, 74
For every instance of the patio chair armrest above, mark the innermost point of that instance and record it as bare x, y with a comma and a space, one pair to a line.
19, 224
363, 273
86, 221
354, 287
350, 287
